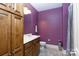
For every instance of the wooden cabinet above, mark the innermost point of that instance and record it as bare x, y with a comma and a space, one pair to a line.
6, 7
18, 7
28, 49
17, 35
11, 31
32, 48
36, 47
5, 26
12, 7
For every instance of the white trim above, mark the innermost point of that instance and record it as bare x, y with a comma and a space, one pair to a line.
76, 28
64, 52
77, 52
52, 46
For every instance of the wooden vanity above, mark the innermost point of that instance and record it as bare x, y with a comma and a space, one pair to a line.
32, 47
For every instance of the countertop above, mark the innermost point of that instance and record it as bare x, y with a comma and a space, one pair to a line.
27, 38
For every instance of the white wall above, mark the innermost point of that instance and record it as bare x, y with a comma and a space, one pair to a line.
76, 27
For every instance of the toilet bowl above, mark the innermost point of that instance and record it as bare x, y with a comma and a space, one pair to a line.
42, 44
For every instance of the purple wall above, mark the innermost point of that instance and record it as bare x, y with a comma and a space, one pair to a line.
65, 24
27, 24
50, 25
33, 19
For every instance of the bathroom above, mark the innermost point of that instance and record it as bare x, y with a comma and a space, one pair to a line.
49, 21
36, 29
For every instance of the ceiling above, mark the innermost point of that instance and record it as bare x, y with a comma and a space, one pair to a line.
45, 6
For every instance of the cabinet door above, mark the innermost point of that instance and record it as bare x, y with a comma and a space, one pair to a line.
18, 7
36, 47
5, 21
17, 35
3, 5
28, 49
6, 6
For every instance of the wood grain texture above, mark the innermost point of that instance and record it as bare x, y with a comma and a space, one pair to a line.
11, 30
17, 42
32, 48
5, 20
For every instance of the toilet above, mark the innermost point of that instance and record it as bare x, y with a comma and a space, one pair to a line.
42, 44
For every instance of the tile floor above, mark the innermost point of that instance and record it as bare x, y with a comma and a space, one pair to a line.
50, 50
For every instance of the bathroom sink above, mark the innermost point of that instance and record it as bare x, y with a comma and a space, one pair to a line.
29, 37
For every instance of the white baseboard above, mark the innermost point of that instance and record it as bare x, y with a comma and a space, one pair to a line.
52, 46
64, 52
77, 52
